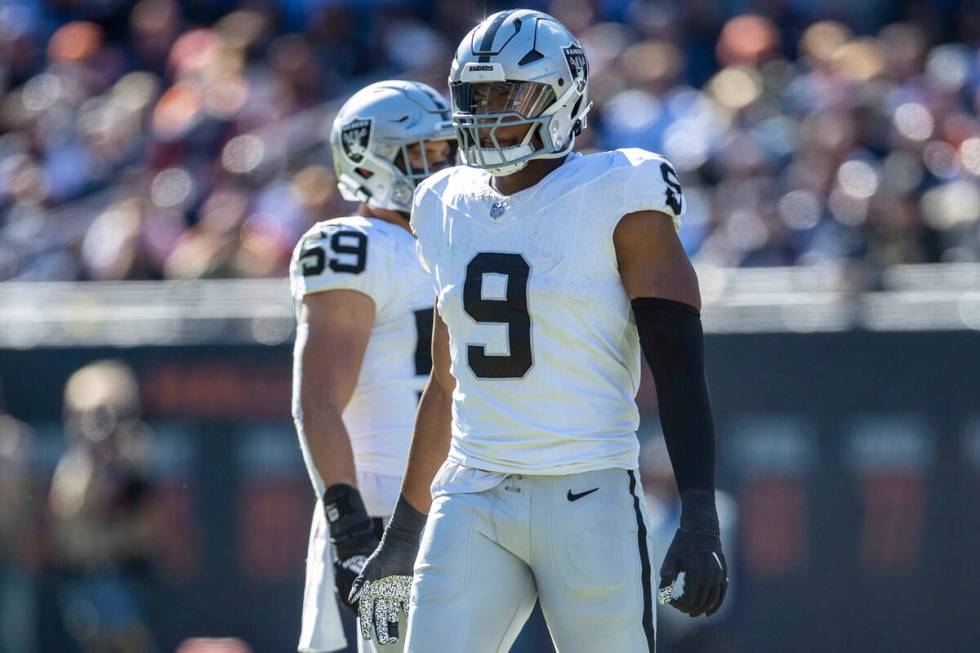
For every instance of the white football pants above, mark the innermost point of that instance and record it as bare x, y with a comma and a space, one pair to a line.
577, 542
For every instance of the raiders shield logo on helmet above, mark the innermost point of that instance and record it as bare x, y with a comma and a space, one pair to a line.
354, 138
577, 64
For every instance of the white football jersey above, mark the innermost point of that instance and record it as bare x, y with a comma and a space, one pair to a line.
379, 259
544, 347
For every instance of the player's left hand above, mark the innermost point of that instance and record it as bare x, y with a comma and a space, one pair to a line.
381, 591
696, 551
380, 606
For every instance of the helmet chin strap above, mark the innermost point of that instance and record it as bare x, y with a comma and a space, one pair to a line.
504, 172
507, 168
497, 163
490, 157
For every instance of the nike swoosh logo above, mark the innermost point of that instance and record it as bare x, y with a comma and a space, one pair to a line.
575, 497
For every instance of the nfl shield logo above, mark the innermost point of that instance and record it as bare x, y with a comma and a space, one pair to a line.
497, 210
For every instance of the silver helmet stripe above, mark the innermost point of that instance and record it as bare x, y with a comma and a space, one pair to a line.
533, 48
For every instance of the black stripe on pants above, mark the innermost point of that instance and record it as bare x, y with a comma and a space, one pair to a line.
641, 536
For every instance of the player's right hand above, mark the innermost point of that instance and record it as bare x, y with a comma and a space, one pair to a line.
382, 590
352, 534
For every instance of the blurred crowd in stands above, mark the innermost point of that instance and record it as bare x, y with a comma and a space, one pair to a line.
165, 139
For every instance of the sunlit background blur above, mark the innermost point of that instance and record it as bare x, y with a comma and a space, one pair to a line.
159, 160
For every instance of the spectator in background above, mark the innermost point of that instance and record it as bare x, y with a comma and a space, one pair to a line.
18, 545
165, 139
102, 522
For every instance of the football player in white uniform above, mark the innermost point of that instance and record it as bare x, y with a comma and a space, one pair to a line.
552, 271
364, 311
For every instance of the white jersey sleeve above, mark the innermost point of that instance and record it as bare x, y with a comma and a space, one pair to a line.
648, 183
342, 254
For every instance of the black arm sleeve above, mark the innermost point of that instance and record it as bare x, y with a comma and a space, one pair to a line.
673, 343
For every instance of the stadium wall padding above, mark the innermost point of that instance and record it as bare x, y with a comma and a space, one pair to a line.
854, 459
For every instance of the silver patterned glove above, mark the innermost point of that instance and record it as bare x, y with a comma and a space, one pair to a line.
380, 605
382, 589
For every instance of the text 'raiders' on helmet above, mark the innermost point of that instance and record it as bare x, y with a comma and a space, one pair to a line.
518, 67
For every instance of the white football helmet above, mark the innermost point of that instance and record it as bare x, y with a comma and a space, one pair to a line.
519, 67
370, 139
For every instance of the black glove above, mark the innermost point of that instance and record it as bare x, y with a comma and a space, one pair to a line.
696, 551
383, 587
352, 534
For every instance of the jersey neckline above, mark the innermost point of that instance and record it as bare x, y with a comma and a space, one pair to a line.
530, 191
